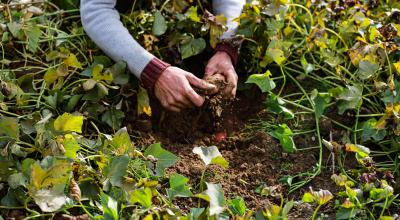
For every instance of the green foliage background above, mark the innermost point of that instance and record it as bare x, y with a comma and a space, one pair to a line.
63, 105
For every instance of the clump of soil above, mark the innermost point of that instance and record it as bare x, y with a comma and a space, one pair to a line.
194, 123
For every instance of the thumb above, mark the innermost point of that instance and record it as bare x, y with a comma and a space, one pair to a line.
201, 84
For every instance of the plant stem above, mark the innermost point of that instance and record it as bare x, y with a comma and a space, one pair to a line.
316, 211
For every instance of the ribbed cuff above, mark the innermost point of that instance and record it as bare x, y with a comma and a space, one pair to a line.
230, 50
231, 46
152, 72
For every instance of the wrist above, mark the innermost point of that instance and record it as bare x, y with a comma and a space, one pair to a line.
152, 72
231, 47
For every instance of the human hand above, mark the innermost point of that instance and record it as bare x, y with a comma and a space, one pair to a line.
174, 89
221, 63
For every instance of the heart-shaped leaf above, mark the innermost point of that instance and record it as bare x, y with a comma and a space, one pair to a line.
211, 155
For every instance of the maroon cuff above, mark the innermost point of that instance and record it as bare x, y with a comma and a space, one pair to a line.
231, 47
230, 50
152, 72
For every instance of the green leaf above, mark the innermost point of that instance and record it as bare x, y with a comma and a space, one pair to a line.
350, 98
192, 14
33, 35
192, 47
275, 104
367, 69
215, 196
71, 146
120, 76
370, 132
285, 137
121, 141
196, 213
117, 169
68, 123
143, 197
263, 81
15, 29
178, 187
159, 25
113, 118
103, 60
73, 101
286, 209
164, 158
9, 127
237, 206
211, 155
344, 214
16, 180
321, 101
110, 207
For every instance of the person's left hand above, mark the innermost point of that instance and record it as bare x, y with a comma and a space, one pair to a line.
221, 63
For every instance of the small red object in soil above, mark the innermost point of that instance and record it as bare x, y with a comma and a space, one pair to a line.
220, 136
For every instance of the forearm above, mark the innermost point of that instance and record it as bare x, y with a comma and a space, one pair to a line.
231, 9
101, 22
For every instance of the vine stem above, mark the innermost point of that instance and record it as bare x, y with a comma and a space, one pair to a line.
384, 207
308, 12
316, 211
319, 165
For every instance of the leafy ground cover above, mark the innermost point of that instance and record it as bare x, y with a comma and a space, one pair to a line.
314, 133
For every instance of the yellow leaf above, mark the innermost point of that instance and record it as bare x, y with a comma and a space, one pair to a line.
54, 175
147, 110
69, 123
37, 175
348, 204
143, 102
148, 217
98, 73
50, 76
288, 31
373, 33
72, 61
397, 67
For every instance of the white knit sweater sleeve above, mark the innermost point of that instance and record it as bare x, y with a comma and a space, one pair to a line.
101, 22
231, 9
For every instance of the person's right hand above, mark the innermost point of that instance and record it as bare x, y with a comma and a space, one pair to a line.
174, 89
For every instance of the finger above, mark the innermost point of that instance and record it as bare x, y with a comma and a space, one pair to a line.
200, 84
174, 108
195, 98
231, 87
185, 102
179, 105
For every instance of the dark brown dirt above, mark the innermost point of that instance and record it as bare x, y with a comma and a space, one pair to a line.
255, 158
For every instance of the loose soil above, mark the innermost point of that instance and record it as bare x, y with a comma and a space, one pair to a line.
255, 158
